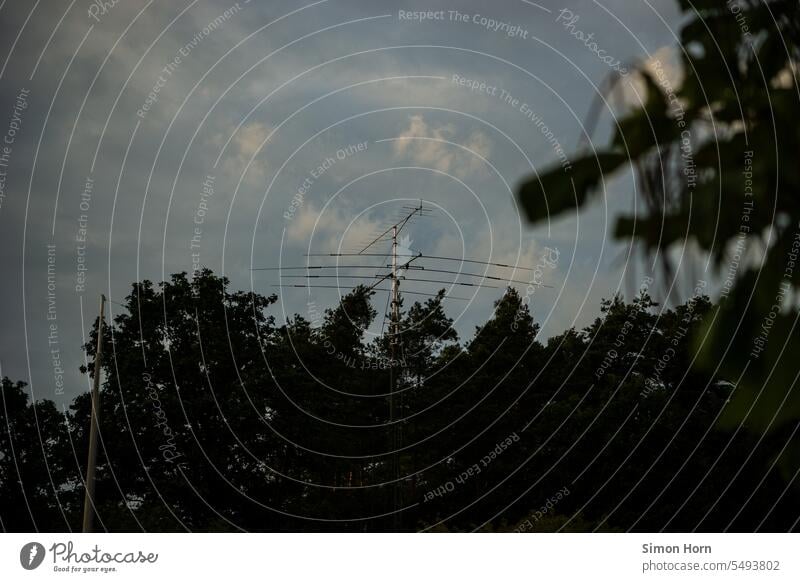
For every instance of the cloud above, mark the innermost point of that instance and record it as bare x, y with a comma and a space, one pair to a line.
426, 145
250, 138
244, 145
151, 234
334, 232
665, 68
303, 224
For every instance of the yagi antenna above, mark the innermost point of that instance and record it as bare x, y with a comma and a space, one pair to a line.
461, 283
397, 226
300, 286
422, 256
399, 269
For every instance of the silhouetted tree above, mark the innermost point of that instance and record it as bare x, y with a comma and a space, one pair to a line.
214, 418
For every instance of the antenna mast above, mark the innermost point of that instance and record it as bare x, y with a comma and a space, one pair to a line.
394, 345
402, 259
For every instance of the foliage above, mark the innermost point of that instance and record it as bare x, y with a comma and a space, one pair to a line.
216, 418
716, 164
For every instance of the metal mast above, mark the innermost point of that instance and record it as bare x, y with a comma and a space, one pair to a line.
402, 260
393, 344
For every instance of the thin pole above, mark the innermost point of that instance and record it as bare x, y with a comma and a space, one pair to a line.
395, 466
395, 283
89, 500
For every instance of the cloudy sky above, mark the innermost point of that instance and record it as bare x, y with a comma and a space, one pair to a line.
266, 130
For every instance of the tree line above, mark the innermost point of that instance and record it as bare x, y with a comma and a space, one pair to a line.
215, 417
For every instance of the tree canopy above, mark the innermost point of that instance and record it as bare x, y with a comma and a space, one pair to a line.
716, 165
215, 417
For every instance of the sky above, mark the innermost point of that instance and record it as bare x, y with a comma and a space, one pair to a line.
145, 138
